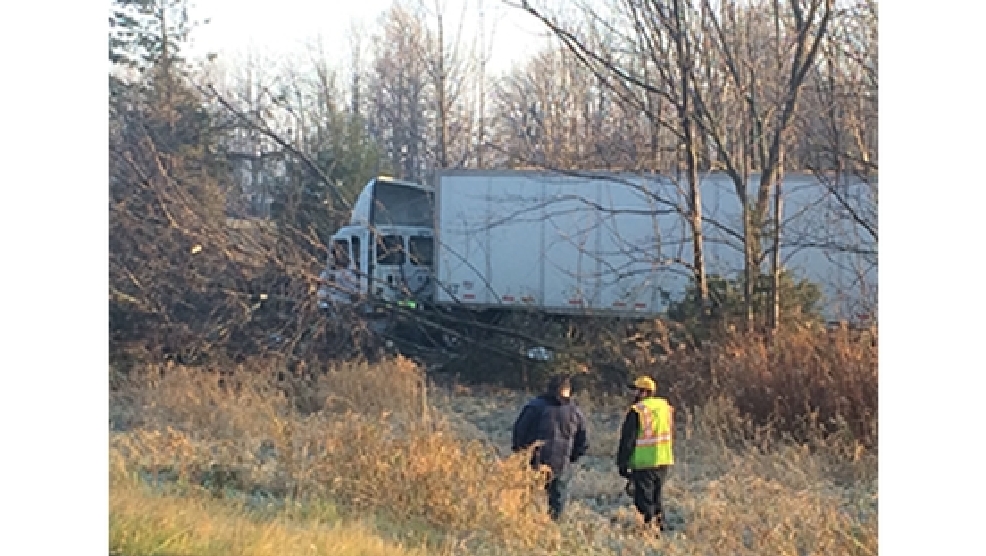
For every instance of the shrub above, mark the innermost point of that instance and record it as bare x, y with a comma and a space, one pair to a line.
367, 444
805, 381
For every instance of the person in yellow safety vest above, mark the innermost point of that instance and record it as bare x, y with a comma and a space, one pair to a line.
646, 449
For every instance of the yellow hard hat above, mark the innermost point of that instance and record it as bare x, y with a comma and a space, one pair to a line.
645, 383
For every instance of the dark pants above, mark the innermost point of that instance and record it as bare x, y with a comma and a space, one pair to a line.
557, 489
647, 485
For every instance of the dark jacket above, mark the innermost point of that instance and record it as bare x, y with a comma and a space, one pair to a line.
628, 441
559, 423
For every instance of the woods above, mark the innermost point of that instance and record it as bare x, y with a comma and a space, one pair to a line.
227, 176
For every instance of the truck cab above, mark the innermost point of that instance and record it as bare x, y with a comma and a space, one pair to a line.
386, 253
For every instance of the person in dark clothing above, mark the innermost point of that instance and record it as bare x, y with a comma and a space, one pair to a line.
645, 450
556, 427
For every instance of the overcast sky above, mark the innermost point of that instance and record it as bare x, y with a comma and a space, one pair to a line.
283, 27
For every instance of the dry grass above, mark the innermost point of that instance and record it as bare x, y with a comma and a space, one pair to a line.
801, 382
263, 457
143, 523
743, 495
371, 447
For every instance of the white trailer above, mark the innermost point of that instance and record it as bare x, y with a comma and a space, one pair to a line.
586, 244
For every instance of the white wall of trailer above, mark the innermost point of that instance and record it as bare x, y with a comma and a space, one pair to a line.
561, 243
615, 243
820, 240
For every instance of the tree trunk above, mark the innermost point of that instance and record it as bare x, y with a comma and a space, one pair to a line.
690, 139
775, 261
695, 216
750, 267
482, 87
440, 94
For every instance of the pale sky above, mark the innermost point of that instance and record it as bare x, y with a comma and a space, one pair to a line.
283, 27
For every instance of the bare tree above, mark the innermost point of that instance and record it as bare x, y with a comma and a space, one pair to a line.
398, 93
440, 77
840, 129
734, 73
838, 144
643, 53
451, 59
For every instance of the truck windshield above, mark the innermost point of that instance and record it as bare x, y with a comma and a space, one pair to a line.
421, 250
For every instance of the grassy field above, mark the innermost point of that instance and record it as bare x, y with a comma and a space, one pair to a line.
367, 459
144, 522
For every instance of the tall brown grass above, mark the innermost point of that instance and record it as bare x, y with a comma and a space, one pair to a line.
143, 523
369, 445
801, 382
369, 442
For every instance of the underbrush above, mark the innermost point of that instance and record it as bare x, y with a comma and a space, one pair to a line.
799, 383
264, 461
370, 446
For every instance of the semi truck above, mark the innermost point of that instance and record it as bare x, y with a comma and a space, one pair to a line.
597, 244
505, 240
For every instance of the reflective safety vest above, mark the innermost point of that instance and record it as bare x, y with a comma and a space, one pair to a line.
653, 446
